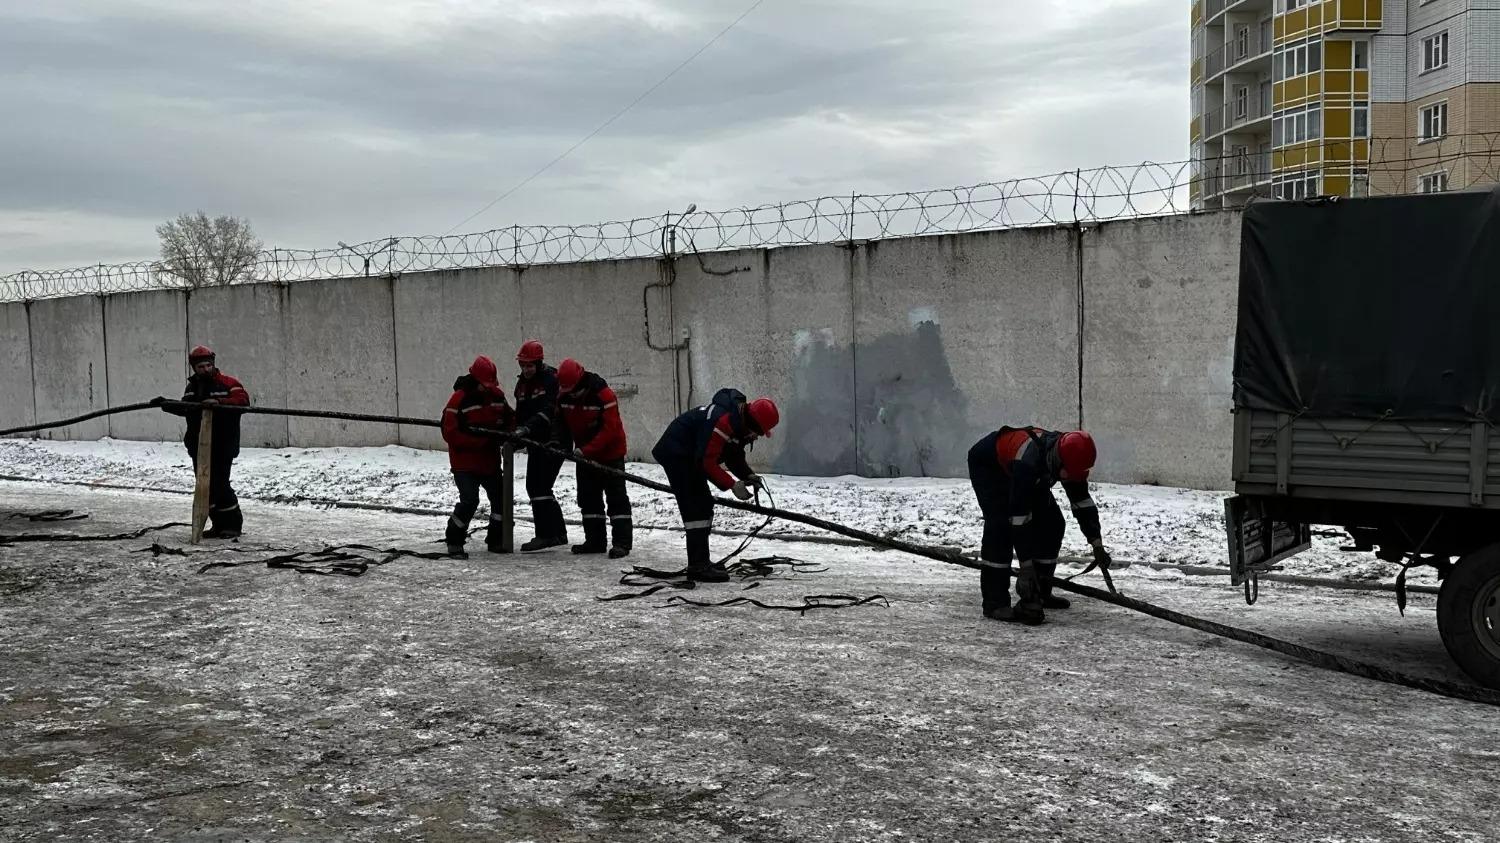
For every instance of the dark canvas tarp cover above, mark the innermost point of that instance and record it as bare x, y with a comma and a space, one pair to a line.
1371, 307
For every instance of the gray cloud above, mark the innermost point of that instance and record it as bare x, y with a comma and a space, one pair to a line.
352, 120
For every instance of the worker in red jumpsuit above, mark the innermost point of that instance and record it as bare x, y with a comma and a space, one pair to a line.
208, 386
694, 451
1013, 471
477, 405
592, 415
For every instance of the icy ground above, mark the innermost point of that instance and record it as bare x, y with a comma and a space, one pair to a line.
496, 699
1141, 523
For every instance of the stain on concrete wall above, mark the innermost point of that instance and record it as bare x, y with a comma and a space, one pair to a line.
912, 416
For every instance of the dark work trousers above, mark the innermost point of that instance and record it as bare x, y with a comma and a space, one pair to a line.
695, 502
542, 468
594, 487
992, 488
469, 485
223, 503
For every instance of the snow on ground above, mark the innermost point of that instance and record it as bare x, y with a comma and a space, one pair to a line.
1141, 523
496, 699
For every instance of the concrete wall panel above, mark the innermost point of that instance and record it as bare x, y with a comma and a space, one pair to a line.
593, 313
246, 328
778, 323
1159, 348
67, 342
443, 320
17, 403
342, 357
146, 353
956, 336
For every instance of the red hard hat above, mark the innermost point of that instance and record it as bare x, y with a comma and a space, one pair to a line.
569, 373
483, 370
764, 414
531, 352
1077, 452
200, 352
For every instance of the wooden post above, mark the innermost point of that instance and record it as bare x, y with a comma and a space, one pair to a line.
202, 472
507, 499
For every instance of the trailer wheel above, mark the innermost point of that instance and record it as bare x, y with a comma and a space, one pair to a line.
1468, 614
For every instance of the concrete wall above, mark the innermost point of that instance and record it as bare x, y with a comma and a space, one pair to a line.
246, 328
145, 353
341, 355
888, 358
444, 320
957, 336
778, 323
17, 397
593, 313
1160, 299
67, 364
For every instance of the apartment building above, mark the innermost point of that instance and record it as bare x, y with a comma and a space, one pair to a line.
1294, 98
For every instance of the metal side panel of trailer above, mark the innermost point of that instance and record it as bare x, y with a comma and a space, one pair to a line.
1441, 464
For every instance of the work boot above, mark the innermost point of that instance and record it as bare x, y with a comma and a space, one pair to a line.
551, 530
622, 529
493, 540
543, 543
1028, 608
457, 551
593, 535
713, 572
1046, 574
699, 567
221, 533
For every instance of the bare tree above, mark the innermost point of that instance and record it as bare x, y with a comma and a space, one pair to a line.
207, 252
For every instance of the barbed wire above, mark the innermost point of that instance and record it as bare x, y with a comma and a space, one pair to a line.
1101, 194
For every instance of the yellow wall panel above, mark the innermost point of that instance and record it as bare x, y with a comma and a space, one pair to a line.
1338, 55
1336, 122
1362, 82
1361, 151
1338, 151
1314, 84
1337, 82
1335, 185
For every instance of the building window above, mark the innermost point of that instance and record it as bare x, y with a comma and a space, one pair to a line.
1435, 52
1241, 42
1361, 55
1359, 184
1433, 122
1435, 182
1300, 186
1241, 102
1293, 5
1303, 58
1304, 124
1361, 127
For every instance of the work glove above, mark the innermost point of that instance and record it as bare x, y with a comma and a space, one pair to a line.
158, 400
1102, 557
755, 481
742, 491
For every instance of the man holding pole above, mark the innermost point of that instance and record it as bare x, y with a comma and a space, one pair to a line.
209, 387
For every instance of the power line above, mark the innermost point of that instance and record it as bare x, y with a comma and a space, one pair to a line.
617, 115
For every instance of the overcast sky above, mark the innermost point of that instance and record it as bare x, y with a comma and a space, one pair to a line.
354, 119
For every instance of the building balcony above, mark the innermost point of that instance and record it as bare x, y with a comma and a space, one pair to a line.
1247, 50
1214, 8
1236, 174
1253, 114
